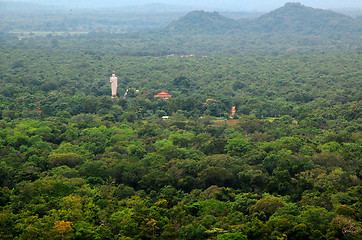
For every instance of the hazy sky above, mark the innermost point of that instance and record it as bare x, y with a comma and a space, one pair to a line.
236, 5
269, 4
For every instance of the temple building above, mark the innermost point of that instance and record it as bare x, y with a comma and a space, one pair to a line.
163, 95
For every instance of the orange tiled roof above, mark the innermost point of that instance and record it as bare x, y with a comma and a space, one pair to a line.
163, 94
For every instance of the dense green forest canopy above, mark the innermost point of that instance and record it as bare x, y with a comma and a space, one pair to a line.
264, 86
293, 157
77, 164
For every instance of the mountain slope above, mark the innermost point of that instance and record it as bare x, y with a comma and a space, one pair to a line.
292, 18
203, 22
296, 18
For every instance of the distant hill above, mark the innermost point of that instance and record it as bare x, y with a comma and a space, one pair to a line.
292, 18
296, 18
203, 22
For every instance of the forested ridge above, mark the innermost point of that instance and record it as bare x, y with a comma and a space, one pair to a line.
77, 164
290, 29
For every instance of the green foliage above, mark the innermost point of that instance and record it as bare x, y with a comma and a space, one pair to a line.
68, 159
232, 236
190, 232
244, 201
77, 164
237, 146
268, 206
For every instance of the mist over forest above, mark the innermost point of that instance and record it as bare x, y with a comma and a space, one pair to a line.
190, 120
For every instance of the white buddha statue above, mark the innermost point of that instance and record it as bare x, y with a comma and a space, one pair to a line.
113, 81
